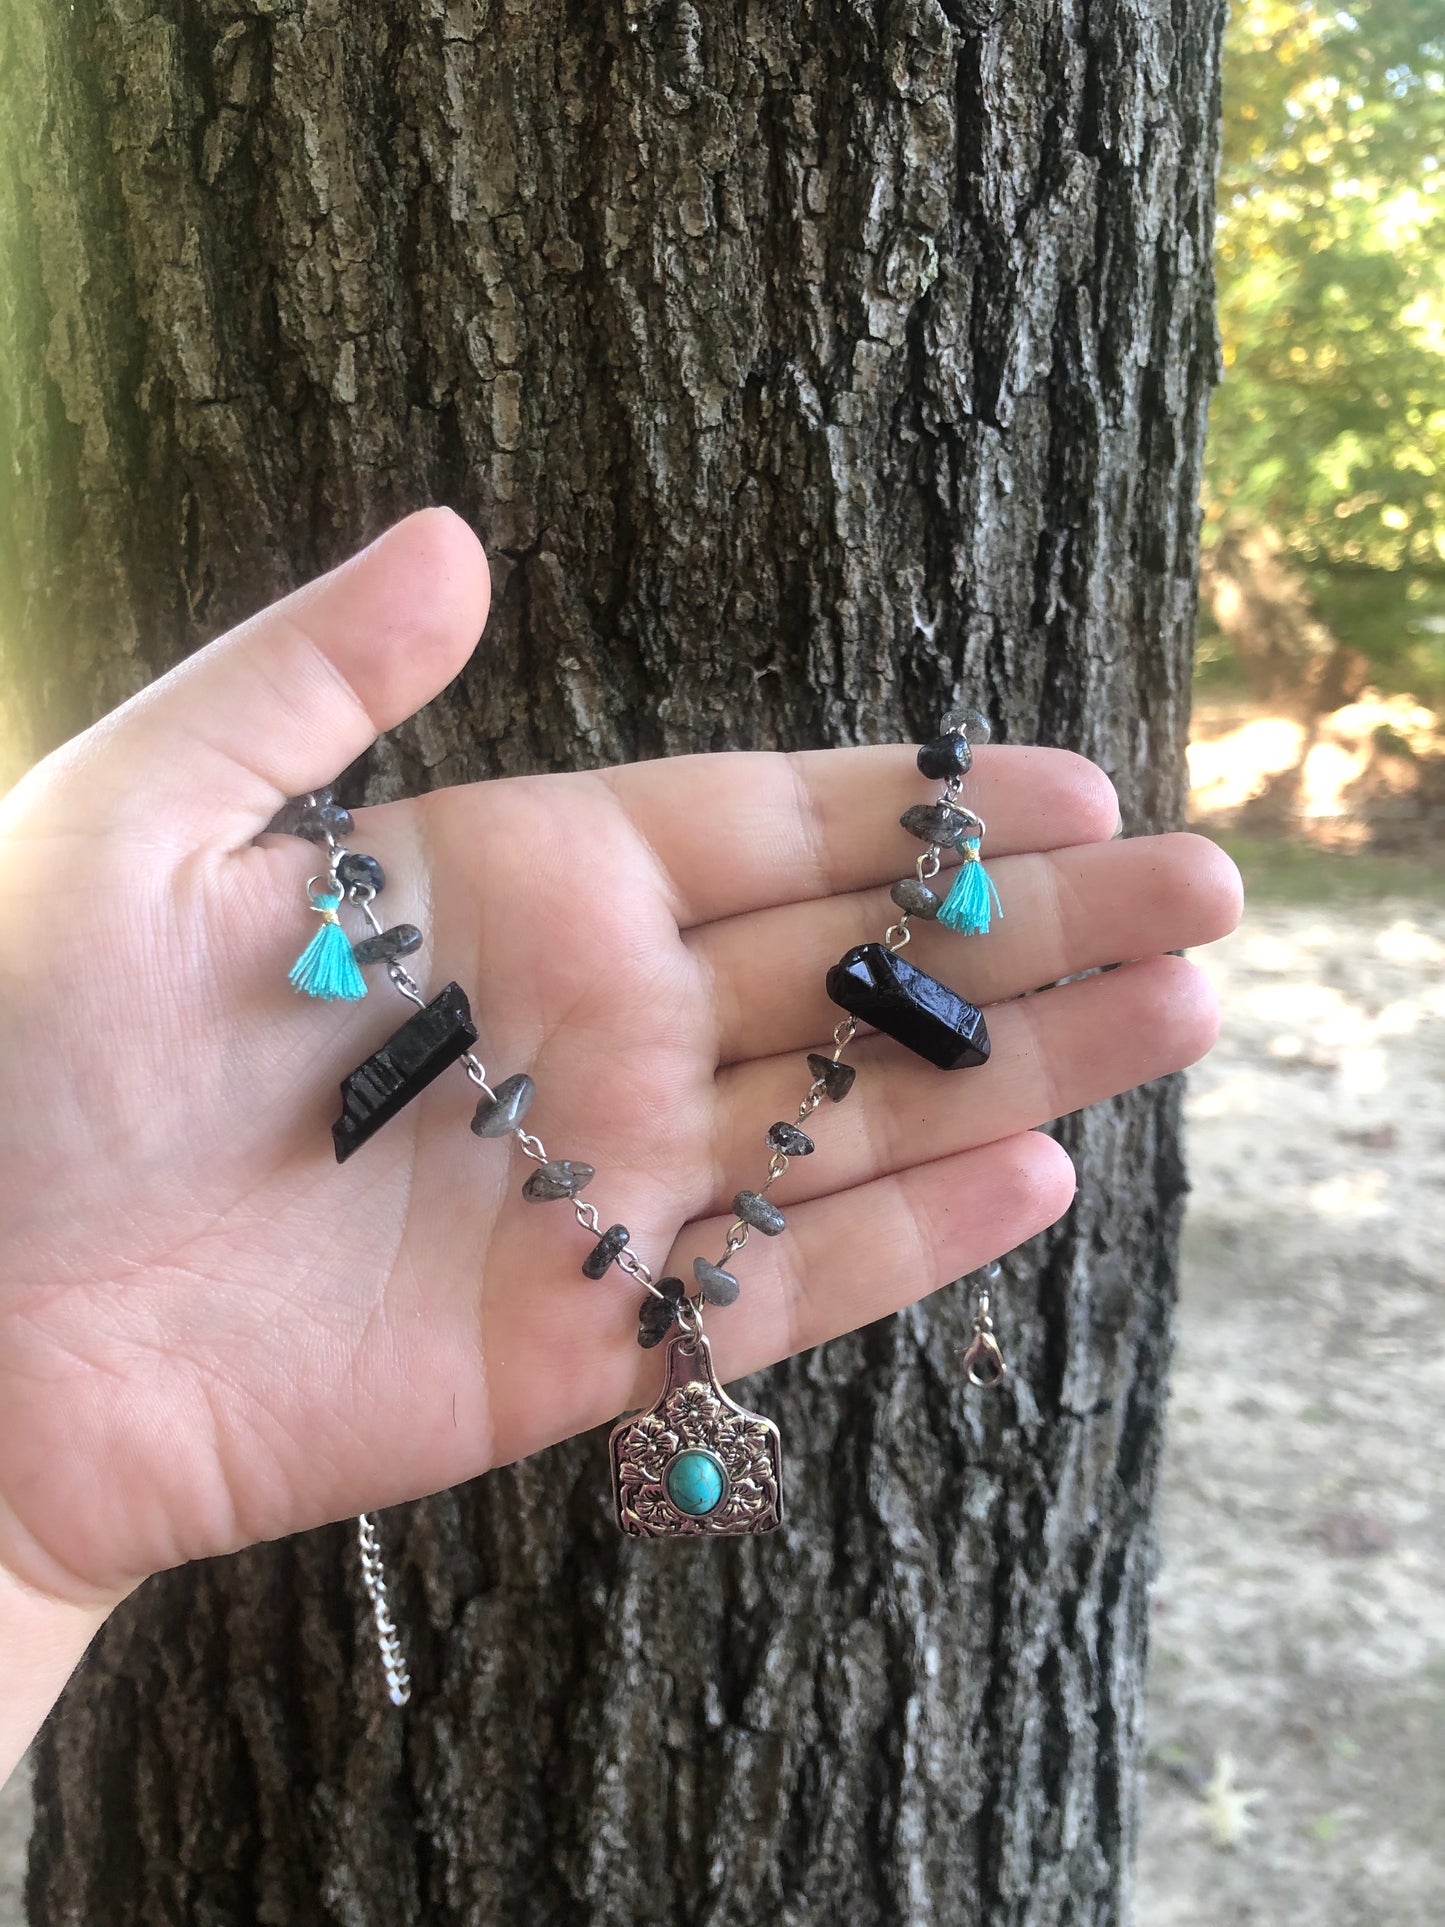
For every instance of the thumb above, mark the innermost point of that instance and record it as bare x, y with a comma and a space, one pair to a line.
282, 703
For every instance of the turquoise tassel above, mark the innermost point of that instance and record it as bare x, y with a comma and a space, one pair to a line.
326, 967
973, 900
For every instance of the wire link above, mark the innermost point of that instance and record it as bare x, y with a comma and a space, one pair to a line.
476, 1070
628, 1261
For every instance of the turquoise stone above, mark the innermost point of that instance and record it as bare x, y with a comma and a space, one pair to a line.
695, 1483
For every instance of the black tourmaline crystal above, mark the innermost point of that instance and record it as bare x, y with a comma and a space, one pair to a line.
406, 1063
877, 986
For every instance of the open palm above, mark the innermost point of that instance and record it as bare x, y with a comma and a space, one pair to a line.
210, 1333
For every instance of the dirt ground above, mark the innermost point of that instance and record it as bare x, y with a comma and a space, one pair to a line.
1297, 1687
1297, 1691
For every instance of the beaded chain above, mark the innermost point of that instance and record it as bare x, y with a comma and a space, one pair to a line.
871, 983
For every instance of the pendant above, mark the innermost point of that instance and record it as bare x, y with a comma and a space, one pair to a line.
695, 1464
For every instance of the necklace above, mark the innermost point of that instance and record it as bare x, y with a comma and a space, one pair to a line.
695, 1463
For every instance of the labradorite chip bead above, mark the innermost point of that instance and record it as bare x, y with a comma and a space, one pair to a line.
836, 1079
754, 1209
399, 941
326, 818
971, 723
946, 755
939, 823
604, 1252
284, 822
557, 1178
504, 1110
358, 871
657, 1316
719, 1287
915, 898
788, 1139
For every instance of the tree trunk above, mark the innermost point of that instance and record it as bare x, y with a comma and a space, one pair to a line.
802, 367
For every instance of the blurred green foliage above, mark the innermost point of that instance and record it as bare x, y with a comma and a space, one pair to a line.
1294, 870
1329, 428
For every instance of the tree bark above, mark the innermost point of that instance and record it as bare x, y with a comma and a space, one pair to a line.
803, 367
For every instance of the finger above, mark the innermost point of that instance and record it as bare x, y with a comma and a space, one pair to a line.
281, 704
861, 1254
739, 832
1063, 912
1052, 1054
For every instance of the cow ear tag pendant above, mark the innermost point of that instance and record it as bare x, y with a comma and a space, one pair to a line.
695, 1464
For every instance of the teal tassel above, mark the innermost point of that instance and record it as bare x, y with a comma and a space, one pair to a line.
973, 901
326, 967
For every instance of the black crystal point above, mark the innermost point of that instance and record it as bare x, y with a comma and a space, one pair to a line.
391, 1077
875, 984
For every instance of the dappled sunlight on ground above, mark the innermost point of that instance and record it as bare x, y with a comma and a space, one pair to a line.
1299, 1634
1322, 779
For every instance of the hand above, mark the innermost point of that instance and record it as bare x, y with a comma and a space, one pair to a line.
210, 1334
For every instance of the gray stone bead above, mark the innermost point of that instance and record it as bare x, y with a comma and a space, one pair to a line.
358, 871
916, 898
399, 941
938, 823
836, 1079
605, 1251
504, 1110
557, 1178
315, 824
788, 1139
754, 1209
717, 1286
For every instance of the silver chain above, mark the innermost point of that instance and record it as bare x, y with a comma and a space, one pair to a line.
388, 1640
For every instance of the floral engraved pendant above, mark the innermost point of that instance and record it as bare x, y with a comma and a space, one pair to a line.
695, 1464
